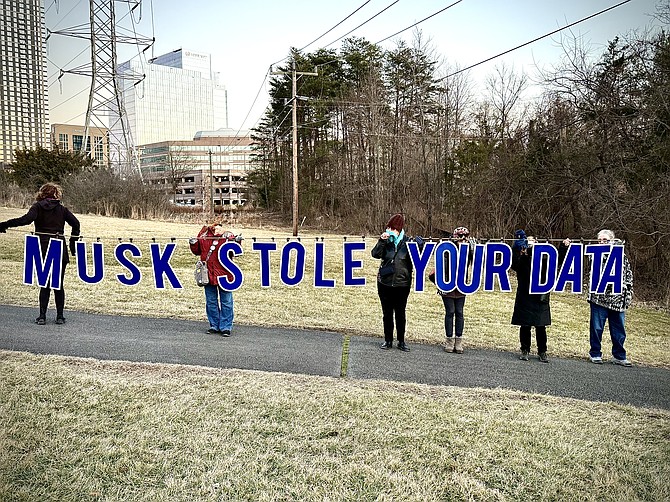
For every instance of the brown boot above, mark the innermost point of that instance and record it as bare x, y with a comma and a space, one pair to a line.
458, 345
449, 346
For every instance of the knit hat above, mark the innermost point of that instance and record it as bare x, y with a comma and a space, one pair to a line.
396, 222
519, 234
460, 232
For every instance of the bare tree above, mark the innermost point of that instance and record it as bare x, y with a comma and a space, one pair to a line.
505, 88
178, 164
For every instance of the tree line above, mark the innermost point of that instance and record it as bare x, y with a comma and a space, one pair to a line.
382, 131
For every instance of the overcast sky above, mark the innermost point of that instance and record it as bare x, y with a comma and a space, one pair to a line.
245, 37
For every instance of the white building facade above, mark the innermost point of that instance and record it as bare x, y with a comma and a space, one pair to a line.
178, 96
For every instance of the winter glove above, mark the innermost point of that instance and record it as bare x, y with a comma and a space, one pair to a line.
3, 227
520, 244
73, 247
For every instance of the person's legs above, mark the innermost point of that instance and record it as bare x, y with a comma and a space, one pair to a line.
541, 337
386, 299
449, 310
399, 306
524, 338
618, 333
59, 295
596, 327
227, 314
45, 293
212, 306
459, 303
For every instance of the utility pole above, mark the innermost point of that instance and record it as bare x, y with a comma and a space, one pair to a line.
211, 187
294, 115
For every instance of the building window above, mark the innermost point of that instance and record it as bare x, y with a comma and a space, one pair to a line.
99, 150
63, 142
77, 142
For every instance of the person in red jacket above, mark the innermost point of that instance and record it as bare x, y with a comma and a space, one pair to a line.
49, 216
218, 302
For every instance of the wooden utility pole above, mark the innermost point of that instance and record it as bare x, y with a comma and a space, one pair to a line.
294, 115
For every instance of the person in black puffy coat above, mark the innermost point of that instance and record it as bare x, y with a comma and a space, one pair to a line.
49, 216
394, 279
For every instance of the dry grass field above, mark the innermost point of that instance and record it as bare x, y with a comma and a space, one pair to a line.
74, 429
350, 310
79, 429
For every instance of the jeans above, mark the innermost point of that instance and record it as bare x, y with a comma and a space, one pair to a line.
394, 300
453, 308
219, 305
599, 315
540, 336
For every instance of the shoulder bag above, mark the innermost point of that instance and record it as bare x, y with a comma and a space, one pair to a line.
201, 273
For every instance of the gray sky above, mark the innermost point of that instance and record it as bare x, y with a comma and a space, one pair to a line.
246, 37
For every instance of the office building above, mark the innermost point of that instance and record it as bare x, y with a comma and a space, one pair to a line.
213, 166
70, 138
178, 96
24, 116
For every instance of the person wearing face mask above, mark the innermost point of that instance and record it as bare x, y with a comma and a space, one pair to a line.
394, 279
218, 302
529, 309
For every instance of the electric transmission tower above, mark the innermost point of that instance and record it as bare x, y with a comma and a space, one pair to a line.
105, 101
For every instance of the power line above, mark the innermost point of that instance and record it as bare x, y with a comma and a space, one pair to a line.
419, 22
70, 98
326, 33
363, 23
534, 40
68, 13
397, 33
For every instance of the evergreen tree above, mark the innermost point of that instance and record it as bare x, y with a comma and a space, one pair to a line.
34, 167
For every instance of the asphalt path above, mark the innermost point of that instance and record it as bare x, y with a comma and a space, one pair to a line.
172, 341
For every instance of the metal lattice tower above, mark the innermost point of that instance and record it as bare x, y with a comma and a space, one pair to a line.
105, 101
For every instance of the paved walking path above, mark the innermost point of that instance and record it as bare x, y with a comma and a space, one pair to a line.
308, 352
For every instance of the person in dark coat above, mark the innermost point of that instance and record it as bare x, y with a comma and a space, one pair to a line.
529, 309
49, 216
218, 302
394, 279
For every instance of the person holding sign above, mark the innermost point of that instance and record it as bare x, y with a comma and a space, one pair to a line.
394, 279
454, 301
529, 309
49, 216
610, 307
218, 302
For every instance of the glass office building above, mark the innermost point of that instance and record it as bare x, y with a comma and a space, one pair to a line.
178, 96
24, 116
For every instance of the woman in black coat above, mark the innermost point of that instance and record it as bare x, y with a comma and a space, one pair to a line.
394, 279
49, 216
529, 309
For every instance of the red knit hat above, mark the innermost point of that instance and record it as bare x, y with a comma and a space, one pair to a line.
396, 222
